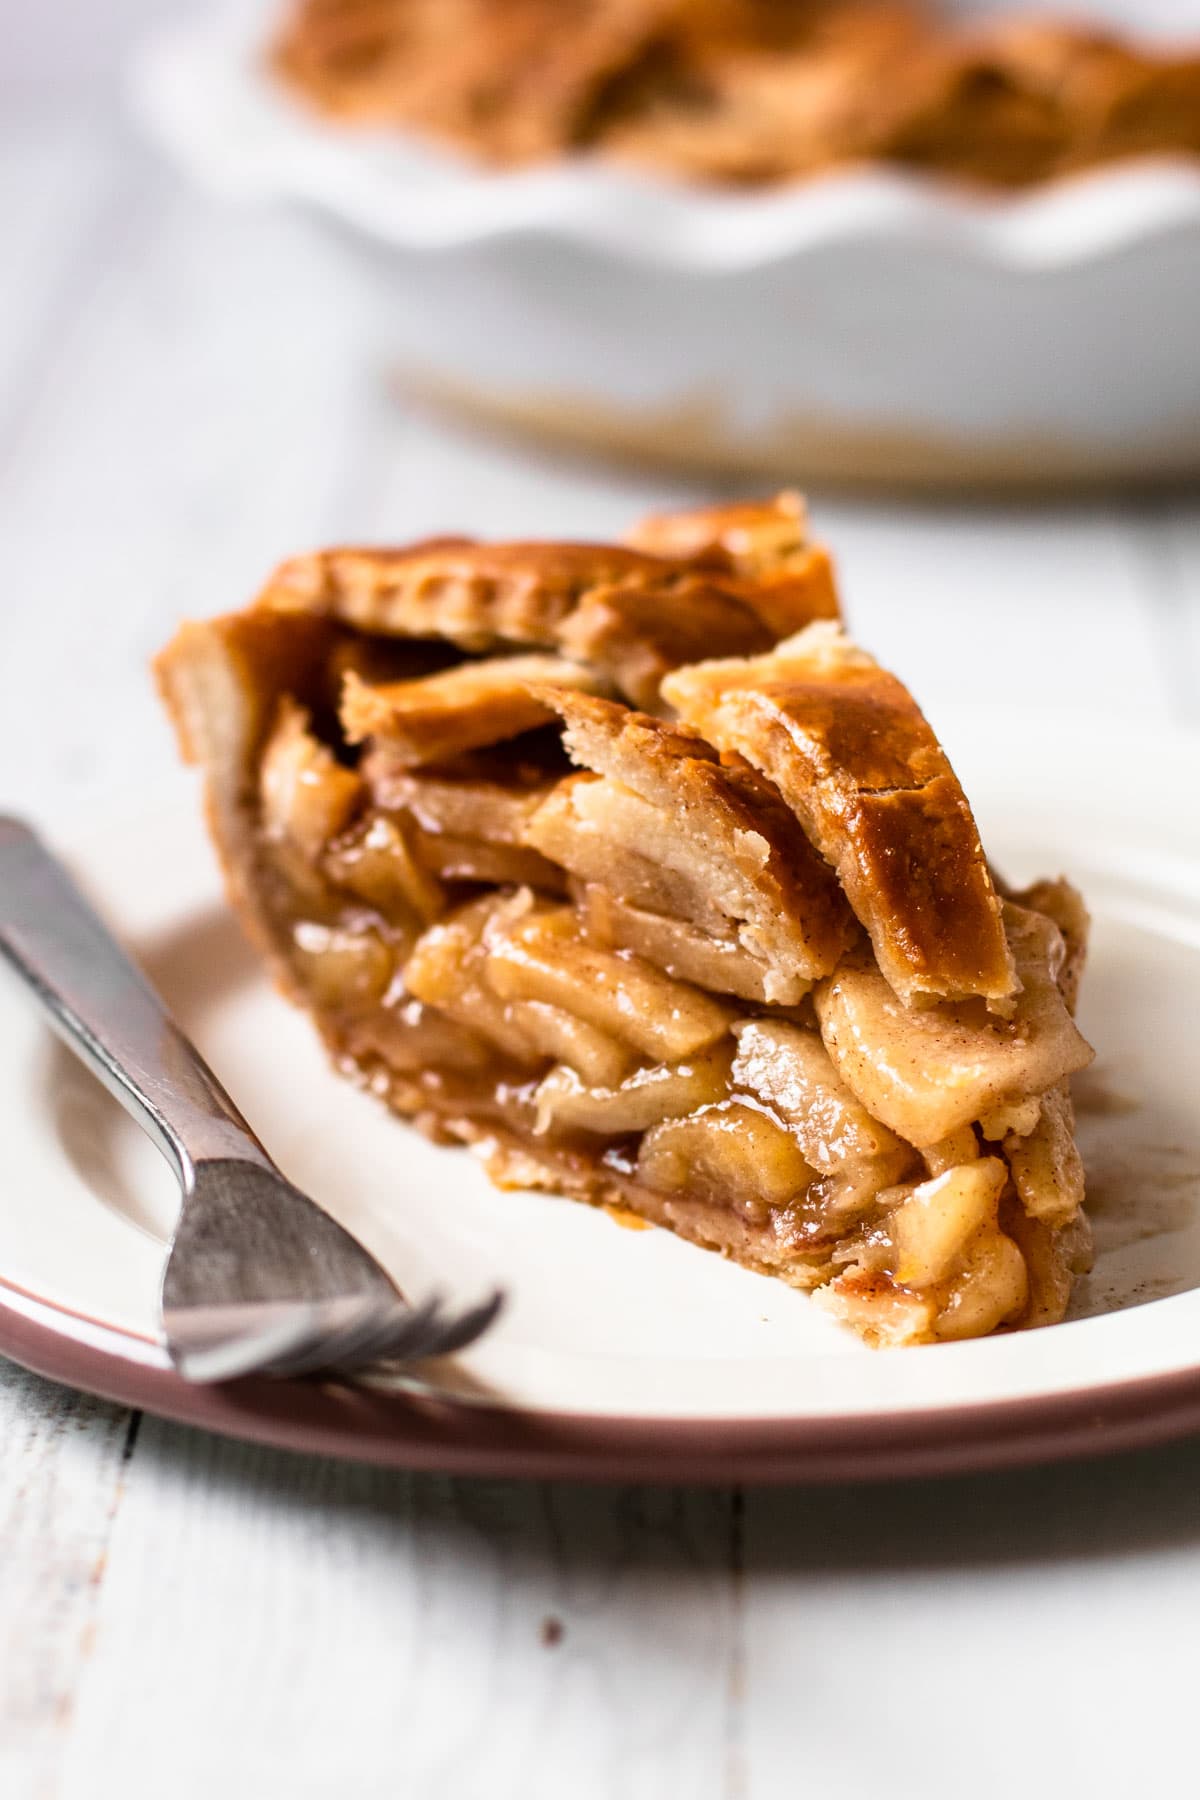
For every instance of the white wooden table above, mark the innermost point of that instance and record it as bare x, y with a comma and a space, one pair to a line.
185, 395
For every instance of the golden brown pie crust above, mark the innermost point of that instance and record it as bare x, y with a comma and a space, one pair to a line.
746, 91
856, 761
630, 614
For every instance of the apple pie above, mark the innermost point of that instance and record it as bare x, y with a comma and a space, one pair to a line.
746, 91
627, 866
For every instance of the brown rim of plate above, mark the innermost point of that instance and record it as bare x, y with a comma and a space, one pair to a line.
410, 1431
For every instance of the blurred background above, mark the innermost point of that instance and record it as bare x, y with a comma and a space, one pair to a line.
201, 371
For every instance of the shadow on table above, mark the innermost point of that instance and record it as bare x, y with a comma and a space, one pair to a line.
1122, 1506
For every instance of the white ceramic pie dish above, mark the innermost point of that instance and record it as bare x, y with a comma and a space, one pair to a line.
623, 1352
866, 327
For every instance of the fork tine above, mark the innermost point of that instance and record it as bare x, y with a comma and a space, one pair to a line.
432, 1333
340, 1337
332, 1346
358, 1340
396, 1337
462, 1330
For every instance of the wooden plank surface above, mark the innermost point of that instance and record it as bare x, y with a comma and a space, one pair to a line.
257, 1623
1025, 1633
64, 1461
486, 1640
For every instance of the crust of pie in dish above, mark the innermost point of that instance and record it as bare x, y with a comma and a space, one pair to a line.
710, 941
747, 91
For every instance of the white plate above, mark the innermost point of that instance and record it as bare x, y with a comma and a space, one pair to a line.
866, 326
627, 1350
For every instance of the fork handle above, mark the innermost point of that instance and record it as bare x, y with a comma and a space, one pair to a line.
107, 1012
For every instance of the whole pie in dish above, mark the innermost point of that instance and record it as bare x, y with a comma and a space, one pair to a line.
627, 866
746, 91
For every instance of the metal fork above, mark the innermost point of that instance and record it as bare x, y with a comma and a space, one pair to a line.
258, 1279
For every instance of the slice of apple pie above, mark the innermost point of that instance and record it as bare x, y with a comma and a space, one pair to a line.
627, 866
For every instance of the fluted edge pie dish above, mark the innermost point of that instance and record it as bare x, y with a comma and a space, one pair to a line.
626, 866
868, 326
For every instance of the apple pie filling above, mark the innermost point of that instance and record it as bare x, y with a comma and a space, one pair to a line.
626, 866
